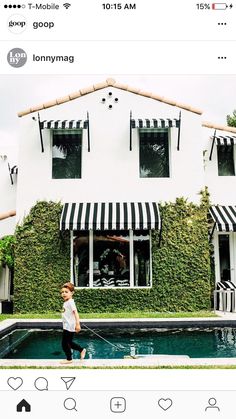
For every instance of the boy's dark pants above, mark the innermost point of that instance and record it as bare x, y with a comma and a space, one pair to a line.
68, 344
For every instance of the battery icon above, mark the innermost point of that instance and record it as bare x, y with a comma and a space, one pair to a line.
219, 6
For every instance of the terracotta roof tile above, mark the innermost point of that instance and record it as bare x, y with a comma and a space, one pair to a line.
74, 95
191, 109
146, 94
63, 100
169, 101
110, 81
183, 105
36, 108
113, 83
99, 86
134, 90
157, 97
87, 90
121, 86
26, 112
7, 214
49, 104
219, 127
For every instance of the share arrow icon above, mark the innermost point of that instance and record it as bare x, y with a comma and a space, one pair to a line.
68, 381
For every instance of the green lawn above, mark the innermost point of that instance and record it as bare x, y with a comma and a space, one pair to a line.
125, 315
177, 367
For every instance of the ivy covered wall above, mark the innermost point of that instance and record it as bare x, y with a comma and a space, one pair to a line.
42, 260
7, 251
181, 265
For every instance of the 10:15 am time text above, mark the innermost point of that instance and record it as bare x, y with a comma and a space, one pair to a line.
119, 6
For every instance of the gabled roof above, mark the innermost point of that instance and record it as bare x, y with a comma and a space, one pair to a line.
218, 127
99, 86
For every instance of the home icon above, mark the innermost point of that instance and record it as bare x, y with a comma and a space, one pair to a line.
23, 406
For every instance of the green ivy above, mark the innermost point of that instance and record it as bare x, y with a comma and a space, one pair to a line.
42, 260
180, 265
7, 251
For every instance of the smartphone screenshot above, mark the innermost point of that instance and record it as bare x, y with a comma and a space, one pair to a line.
117, 209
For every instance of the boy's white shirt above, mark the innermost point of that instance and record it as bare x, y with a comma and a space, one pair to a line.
68, 316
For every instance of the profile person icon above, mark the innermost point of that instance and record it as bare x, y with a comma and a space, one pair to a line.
212, 404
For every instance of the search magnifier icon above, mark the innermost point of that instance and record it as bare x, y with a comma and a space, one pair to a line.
70, 404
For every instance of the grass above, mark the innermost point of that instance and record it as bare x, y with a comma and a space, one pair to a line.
177, 367
119, 315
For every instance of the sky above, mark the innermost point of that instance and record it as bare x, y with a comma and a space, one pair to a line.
215, 95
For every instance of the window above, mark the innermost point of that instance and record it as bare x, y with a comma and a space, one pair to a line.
225, 154
111, 255
154, 153
118, 259
141, 259
81, 259
224, 255
66, 154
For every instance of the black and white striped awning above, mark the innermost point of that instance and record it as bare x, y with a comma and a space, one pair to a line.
63, 124
226, 296
155, 123
225, 285
14, 170
110, 216
224, 217
66, 124
227, 140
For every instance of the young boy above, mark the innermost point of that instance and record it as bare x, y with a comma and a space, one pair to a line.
71, 324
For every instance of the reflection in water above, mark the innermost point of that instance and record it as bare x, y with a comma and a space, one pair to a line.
194, 342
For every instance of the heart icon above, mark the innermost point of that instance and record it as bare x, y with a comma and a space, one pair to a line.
15, 382
165, 404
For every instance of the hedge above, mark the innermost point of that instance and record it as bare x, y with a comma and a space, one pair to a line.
181, 264
7, 251
42, 260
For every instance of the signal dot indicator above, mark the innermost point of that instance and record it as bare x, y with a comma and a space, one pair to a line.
13, 6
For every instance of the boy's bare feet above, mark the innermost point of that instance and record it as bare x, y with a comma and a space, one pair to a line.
82, 354
65, 361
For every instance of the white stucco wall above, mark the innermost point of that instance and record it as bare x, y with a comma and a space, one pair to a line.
7, 194
4, 283
222, 188
110, 172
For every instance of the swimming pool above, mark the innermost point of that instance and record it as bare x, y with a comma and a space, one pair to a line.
198, 342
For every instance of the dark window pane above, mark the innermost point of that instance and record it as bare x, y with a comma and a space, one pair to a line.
141, 259
224, 253
81, 259
66, 154
154, 153
225, 160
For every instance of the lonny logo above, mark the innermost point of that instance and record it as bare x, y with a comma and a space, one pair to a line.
17, 57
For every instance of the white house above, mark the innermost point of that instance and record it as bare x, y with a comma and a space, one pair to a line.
110, 153
8, 178
220, 171
96, 151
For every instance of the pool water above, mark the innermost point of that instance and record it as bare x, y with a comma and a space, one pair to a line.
197, 343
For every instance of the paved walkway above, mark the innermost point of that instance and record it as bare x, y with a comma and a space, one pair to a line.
149, 362
142, 361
